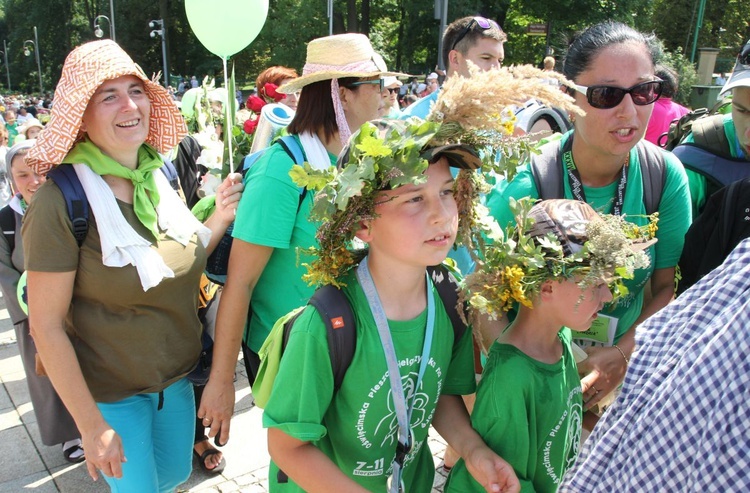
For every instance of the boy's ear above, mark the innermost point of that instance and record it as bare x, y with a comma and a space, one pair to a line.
364, 232
546, 289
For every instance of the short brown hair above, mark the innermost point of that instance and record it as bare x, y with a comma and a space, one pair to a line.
275, 75
315, 109
464, 36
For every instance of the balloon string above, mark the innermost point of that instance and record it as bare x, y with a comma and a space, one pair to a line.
227, 122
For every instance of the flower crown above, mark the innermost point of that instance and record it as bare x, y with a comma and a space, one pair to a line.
470, 124
515, 266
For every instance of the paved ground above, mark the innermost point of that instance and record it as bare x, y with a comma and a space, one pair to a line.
26, 464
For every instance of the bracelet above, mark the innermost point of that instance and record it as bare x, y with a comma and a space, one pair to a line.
627, 361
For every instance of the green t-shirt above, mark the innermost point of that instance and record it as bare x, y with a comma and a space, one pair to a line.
357, 427
270, 214
530, 414
699, 188
674, 220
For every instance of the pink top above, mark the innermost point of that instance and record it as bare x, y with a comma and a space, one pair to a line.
665, 110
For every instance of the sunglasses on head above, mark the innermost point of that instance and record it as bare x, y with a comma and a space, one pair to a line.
380, 82
606, 97
744, 57
483, 24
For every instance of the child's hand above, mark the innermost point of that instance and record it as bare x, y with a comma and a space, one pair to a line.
491, 471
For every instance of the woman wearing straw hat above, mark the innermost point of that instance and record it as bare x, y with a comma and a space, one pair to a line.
341, 88
114, 317
56, 426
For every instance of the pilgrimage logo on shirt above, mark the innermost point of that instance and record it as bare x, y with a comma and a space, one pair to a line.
381, 429
567, 429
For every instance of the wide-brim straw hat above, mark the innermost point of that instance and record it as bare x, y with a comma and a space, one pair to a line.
341, 55
85, 69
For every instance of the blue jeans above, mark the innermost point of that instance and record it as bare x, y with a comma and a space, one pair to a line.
157, 441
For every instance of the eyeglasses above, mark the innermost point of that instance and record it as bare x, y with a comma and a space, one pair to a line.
606, 97
393, 90
380, 82
483, 23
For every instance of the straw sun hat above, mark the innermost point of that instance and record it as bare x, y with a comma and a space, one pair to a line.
85, 69
334, 57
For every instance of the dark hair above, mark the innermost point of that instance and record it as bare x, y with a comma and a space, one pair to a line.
456, 28
587, 44
669, 76
315, 109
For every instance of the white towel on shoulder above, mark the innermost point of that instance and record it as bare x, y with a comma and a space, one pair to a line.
120, 243
315, 151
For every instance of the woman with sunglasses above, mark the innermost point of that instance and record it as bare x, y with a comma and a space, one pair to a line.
603, 161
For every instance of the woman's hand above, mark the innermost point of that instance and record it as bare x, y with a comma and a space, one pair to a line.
216, 409
604, 369
104, 452
228, 196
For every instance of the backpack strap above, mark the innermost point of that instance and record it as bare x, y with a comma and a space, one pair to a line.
708, 133
291, 147
654, 173
8, 225
447, 287
67, 181
336, 312
546, 169
171, 173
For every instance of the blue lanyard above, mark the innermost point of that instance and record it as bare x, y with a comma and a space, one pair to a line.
403, 413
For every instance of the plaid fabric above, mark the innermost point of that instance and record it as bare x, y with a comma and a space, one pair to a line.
682, 421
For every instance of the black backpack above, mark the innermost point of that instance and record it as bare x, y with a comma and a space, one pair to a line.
8, 225
547, 171
337, 314
723, 224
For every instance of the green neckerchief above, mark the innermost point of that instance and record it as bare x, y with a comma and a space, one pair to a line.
145, 194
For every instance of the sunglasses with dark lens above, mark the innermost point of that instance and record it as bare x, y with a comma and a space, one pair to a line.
393, 90
744, 57
380, 82
483, 24
606, 97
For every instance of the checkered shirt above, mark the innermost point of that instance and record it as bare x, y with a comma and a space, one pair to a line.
682, 421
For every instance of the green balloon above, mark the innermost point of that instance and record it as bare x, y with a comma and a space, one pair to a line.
226, 26
21, 293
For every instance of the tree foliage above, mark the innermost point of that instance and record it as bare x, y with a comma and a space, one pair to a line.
406, 32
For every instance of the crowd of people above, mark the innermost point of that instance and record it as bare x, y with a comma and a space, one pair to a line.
561, 317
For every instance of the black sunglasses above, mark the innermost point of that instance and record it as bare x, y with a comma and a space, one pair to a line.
483, 23
392, 90
379, 82
606, 97
744, 57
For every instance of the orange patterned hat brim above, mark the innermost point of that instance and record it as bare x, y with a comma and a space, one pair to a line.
85, 69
